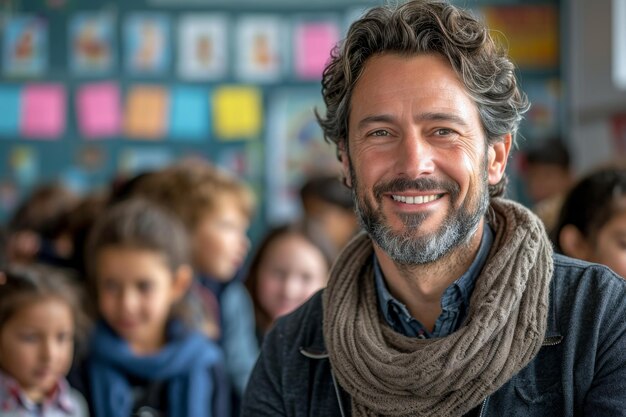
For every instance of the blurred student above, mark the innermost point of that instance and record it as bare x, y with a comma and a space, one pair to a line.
329, 210
145, 358
34, 228
216, 209
40, 315
288, 268
548, 177
592, 221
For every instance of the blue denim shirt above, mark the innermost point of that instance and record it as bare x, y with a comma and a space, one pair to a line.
454, 302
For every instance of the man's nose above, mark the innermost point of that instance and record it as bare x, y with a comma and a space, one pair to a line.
415, 156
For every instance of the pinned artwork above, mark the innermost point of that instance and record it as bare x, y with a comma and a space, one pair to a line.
92, 43
203, 53
190, 114
146, 112
10, 105
313, 41
298, 149
147, 43
237, 112
25, 46
260, 46
98, 110
44, 109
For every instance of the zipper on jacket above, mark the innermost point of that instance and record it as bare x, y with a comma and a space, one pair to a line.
482, 407
552, 340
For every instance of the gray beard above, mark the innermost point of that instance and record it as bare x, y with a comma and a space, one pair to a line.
408, 249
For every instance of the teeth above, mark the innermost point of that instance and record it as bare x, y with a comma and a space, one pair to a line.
420, 199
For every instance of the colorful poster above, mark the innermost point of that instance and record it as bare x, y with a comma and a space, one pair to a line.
190, 114
146, 112
260, 44
25, 46
313, 41
10, 105
98, 110
542, 119
298, 150
530, 33
147, 43
91, 43
237, 112
24, 163
134, 161
44, 109
202, 47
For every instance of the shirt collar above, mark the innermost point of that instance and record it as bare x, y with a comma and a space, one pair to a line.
460, 291
13, 398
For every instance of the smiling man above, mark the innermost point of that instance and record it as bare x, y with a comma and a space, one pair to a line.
451, 302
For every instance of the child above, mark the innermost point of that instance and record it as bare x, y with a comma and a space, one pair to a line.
216, 208
288, 268
145, 359
592, 222
39, 316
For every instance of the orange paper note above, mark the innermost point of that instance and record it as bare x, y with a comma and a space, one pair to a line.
146, 112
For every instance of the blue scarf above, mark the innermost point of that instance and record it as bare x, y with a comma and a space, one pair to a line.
184, 363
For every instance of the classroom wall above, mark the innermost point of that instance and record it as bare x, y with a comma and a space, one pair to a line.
85, 99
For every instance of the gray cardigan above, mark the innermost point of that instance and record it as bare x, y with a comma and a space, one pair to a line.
579, 371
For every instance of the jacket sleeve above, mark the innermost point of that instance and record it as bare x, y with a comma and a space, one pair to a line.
607, 393
264, 393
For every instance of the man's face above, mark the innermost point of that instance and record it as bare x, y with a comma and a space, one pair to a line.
417, 157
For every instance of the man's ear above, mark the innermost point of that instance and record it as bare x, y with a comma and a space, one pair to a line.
183, 277
342, 151
498, 157
573, 243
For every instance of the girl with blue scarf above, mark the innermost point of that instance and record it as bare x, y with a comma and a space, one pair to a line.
144, 359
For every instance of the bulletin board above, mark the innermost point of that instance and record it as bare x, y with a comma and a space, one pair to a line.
90, 90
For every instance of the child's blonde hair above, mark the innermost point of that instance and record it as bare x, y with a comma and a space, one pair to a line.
191, 190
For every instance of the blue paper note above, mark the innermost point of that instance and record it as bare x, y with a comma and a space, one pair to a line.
190, 114
10, 111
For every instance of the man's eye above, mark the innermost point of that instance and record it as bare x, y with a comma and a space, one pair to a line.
444, 132
379, 133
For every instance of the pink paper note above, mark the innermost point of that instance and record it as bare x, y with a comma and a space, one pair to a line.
314, 41
98, 110
43, 111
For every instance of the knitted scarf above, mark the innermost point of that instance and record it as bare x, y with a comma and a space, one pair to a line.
185, 363
388, 374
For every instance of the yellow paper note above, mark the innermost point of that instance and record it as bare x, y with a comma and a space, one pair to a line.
146, 112
237, 112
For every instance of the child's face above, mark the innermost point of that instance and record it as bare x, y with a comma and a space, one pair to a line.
36, 345
136, 290
291, 271
610, 247
220, 243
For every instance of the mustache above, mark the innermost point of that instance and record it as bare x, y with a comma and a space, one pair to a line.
420, 184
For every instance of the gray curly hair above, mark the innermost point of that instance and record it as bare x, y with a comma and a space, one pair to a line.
420, 27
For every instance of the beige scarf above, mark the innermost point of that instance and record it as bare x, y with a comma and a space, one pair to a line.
388, 374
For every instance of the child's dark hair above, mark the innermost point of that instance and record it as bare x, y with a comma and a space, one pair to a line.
139, 224
592, 202
22, 285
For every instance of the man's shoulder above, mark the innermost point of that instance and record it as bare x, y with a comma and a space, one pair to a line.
576, 282
569, 271
303, 327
